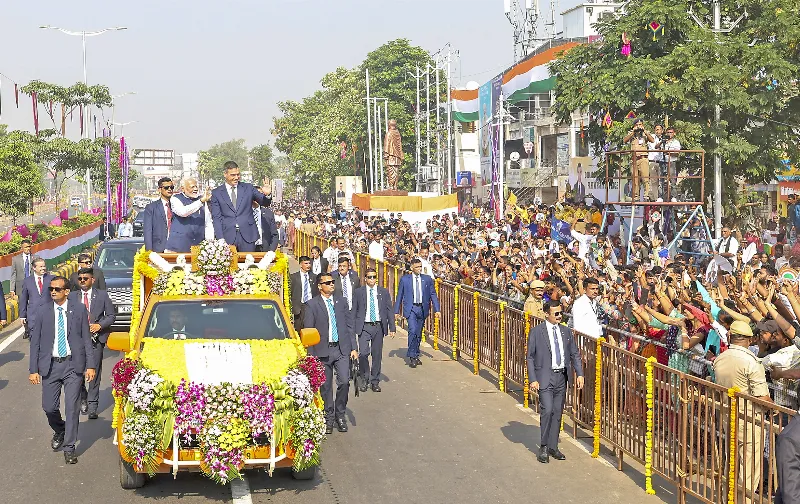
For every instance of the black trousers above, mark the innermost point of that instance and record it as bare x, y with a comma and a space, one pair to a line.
551, 407
91, 392
370, 343
63, 376
341, 364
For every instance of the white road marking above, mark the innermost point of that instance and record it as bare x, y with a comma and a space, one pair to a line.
240, 491
12, 338
571, 440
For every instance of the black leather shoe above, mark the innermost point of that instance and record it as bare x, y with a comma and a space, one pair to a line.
84, 406
92, 415
556, 454
70, 457
542, 455
58, 440
26, 335
376, 387
412, 362
341, 425
419, 362
364, 387
329, 429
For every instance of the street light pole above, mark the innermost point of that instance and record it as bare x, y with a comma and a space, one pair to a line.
83, 34
114, 108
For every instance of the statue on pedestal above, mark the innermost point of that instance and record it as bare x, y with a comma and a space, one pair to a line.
392, 155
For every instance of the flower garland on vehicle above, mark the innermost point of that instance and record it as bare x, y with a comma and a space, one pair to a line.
222, 441
598, 385
648, 442
121, 377
214, 258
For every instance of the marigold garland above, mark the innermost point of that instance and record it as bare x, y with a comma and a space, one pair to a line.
475, 296
648, 442
455, 323
397, 280
117, 409
598, 385
732, 456
526, 386
436, 285
385, 276
502, 373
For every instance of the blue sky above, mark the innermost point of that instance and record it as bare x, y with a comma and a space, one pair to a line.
208, 71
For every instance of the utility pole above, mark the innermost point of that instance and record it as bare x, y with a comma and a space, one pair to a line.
369, 135
717, 30
450, 168
417, 121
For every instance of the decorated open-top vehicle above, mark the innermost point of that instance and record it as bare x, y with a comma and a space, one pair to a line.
214, 378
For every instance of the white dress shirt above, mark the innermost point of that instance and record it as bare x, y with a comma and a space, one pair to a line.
257, 219
584, 240
373, 291
305, 286
36, 280
555, 365
228, 188
66, 328
125, 230
584, 317
347, 287
729, 245
88, 298
376, 250
316, 266
417, 285
181, 210
427, 268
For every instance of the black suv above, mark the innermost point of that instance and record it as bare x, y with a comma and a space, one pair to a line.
115, 259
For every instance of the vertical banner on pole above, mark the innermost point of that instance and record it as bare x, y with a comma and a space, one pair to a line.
108, 176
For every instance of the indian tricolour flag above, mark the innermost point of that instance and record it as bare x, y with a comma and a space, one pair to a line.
465, 104
532, 75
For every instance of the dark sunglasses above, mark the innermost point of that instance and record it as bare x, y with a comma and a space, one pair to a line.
83, 279
326, 283
57, 289
89, 261
557, 314
170, 187
371, 277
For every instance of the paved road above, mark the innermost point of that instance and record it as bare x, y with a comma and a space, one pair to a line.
435, 434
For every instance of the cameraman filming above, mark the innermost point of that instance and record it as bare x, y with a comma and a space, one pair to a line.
638, 138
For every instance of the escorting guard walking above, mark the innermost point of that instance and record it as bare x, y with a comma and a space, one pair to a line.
101, 318
61, 356
415, 295
373, 320
553, 357
329, 314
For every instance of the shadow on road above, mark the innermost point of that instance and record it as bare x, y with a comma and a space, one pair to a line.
164, 486
524, 434
3, 384
12, 356
93, 431
281, 482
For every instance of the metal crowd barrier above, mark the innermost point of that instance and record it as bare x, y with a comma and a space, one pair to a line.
713, 444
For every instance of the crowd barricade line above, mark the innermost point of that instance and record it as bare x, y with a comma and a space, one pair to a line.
682, 428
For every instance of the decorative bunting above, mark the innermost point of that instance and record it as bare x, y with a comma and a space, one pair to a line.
16, 94
647, 90
607, 121
626, 46
35, 103
81, 118
631, 115
655, 27
51, 108
1, 97
63, 119
583, 143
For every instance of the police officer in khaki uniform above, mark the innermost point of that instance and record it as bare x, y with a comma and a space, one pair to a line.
739, 367
535, 302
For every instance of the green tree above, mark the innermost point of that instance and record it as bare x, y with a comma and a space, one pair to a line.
261, 162
310, 132
3, 130
210, 161
20, 180
72, 98
682, 73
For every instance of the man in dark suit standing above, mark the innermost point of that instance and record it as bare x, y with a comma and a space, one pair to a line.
552, 359
318, 263
101, 318
85, 261
61, 356
267, 230
21, 267
345, 281
34, 293
787, 462
158, 217
415, 293
106, 230
304, 287
232, 212
328, 313
373, 320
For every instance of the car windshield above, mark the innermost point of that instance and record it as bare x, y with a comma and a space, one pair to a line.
116, 258
239, 319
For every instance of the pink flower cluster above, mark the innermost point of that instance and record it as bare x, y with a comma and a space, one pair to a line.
223, 464
219, 285
122, 375
308, 448
190, 400
259, 404
314, 369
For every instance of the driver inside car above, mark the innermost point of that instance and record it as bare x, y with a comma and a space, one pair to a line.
177, 325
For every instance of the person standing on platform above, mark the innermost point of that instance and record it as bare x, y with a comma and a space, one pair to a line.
267, 229
552, 358
232, 211
415, 294
125, 229
586, 308
106, 230
21, 267
304, 287
373, 320
34, 293
346, 281
328, 313
101, 318
191, 220
158, 217
61, 357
